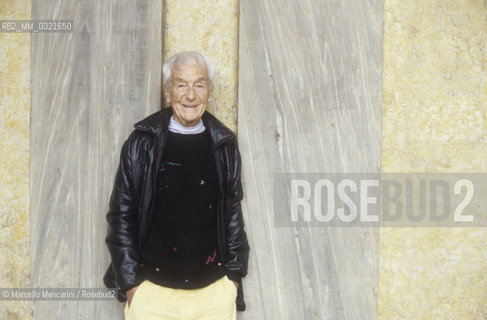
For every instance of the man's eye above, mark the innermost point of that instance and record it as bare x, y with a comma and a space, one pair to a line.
181, 85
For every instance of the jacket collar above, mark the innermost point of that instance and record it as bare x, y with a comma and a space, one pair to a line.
158, 123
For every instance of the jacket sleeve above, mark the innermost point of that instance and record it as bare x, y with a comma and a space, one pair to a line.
237, 247
122, 218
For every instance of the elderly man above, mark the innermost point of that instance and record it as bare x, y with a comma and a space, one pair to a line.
175, 229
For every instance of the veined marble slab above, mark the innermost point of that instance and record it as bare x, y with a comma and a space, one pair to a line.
88, 88
309, 101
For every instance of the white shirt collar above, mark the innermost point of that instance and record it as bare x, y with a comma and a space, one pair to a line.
176, 127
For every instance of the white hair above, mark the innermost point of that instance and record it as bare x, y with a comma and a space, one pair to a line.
187, 57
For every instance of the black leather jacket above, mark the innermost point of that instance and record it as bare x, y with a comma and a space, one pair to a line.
132, 201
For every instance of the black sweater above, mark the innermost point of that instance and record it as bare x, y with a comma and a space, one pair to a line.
181, 249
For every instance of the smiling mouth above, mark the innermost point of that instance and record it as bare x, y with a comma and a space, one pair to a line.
189, 106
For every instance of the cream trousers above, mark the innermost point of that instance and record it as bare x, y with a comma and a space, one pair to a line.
213, 302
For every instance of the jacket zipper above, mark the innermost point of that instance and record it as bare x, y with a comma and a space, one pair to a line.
220, 214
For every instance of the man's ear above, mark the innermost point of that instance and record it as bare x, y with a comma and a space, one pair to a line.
210, 96
167, 96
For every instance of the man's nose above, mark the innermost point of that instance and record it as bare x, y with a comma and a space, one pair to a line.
190, 94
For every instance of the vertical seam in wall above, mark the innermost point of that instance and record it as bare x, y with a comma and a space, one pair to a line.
163, 49
238, 66
381, 152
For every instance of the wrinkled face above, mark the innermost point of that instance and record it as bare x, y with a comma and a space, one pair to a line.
188, 93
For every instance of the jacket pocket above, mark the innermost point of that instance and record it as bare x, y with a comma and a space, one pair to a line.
111, 283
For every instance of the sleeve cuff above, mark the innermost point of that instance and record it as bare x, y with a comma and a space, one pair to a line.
234, 276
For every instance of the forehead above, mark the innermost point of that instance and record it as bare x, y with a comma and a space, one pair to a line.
190, 71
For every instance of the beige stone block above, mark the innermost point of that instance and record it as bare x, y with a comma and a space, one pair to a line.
434, 120
14, 159
210, 27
